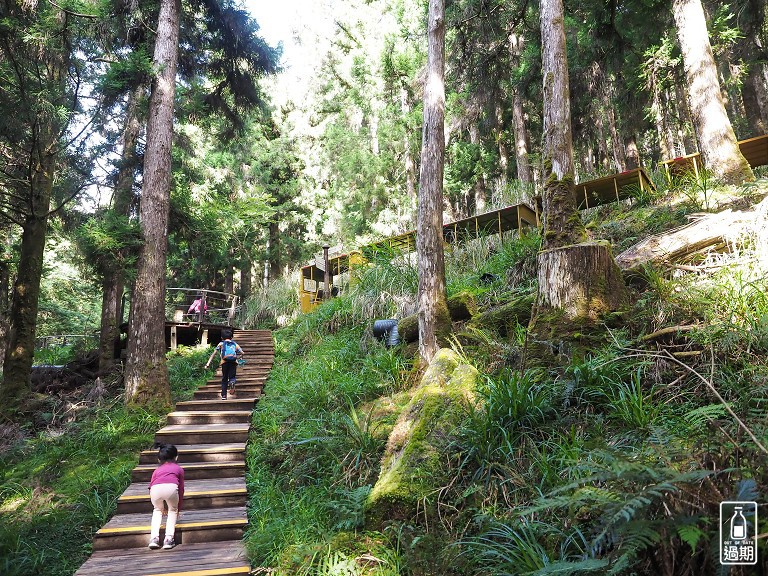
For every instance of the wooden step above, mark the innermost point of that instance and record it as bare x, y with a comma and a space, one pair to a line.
200, 453
193, 526
215, 393
254, 386
195, 470
203, 434
198, 494
209, 559
214, 404
240, 379
209, 417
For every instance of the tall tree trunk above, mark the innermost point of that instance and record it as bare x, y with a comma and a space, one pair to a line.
26, 289
562, 224
685, 136
717, 141
579, 279
273, 252
479, 192
408, 160
246, 279
666, 144
432, 306
524, 172
114, 280
633, 154
501, 145
52, 60
146, 374
755, 97
617, 148
229, 279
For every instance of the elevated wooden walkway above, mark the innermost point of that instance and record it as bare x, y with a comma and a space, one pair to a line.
210, 435
754, 150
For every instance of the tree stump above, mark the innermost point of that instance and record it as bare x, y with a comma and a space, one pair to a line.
582, 280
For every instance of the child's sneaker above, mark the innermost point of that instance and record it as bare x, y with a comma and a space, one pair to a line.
232, 385
154, 543
169, 543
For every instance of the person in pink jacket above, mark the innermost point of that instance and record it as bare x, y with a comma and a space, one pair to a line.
166, 488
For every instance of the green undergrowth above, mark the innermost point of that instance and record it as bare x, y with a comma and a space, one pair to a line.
612, 460
60, 484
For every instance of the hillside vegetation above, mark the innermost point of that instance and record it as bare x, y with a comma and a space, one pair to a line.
609, 454
605, 453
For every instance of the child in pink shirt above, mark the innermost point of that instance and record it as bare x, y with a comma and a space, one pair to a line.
166, 488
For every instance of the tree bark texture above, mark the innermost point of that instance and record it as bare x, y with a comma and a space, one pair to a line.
114, 280
275, 264
26, 289
146, 374
617, 148
558, 139
576, 278
717, 142
562, 223
755, 96
429, 238
501, 181
633, 154
583, 281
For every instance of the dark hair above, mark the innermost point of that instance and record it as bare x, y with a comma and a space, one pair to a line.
166, 453
226, 334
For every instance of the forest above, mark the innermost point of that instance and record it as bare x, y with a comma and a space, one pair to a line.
578, 397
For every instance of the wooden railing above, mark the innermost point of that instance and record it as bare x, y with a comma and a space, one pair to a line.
196, 305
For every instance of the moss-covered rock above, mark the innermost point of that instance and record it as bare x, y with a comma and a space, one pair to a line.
412, 465
408, 328
504, 318
462, 306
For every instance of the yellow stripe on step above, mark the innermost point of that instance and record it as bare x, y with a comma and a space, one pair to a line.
214, 572
182, 525
187, 494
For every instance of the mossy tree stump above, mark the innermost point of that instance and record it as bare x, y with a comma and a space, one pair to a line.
582, 280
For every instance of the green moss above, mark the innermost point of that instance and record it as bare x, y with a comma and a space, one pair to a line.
504, 318
412, 464
462, 306
408, 328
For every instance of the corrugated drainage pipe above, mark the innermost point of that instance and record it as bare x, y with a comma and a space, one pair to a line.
386, 331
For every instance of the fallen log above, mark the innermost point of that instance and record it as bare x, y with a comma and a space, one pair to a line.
724, 229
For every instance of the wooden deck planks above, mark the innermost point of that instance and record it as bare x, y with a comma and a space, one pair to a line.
191, 559
214, 507
188, 517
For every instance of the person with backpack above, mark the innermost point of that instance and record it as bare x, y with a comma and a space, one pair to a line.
230, 353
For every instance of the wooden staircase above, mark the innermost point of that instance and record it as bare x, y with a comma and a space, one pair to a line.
210, 435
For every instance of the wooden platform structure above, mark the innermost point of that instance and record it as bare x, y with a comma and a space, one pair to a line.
494, 222
613, 188
755, 151
588, 195
211, 436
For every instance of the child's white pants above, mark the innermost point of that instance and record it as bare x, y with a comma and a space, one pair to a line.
161, 494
